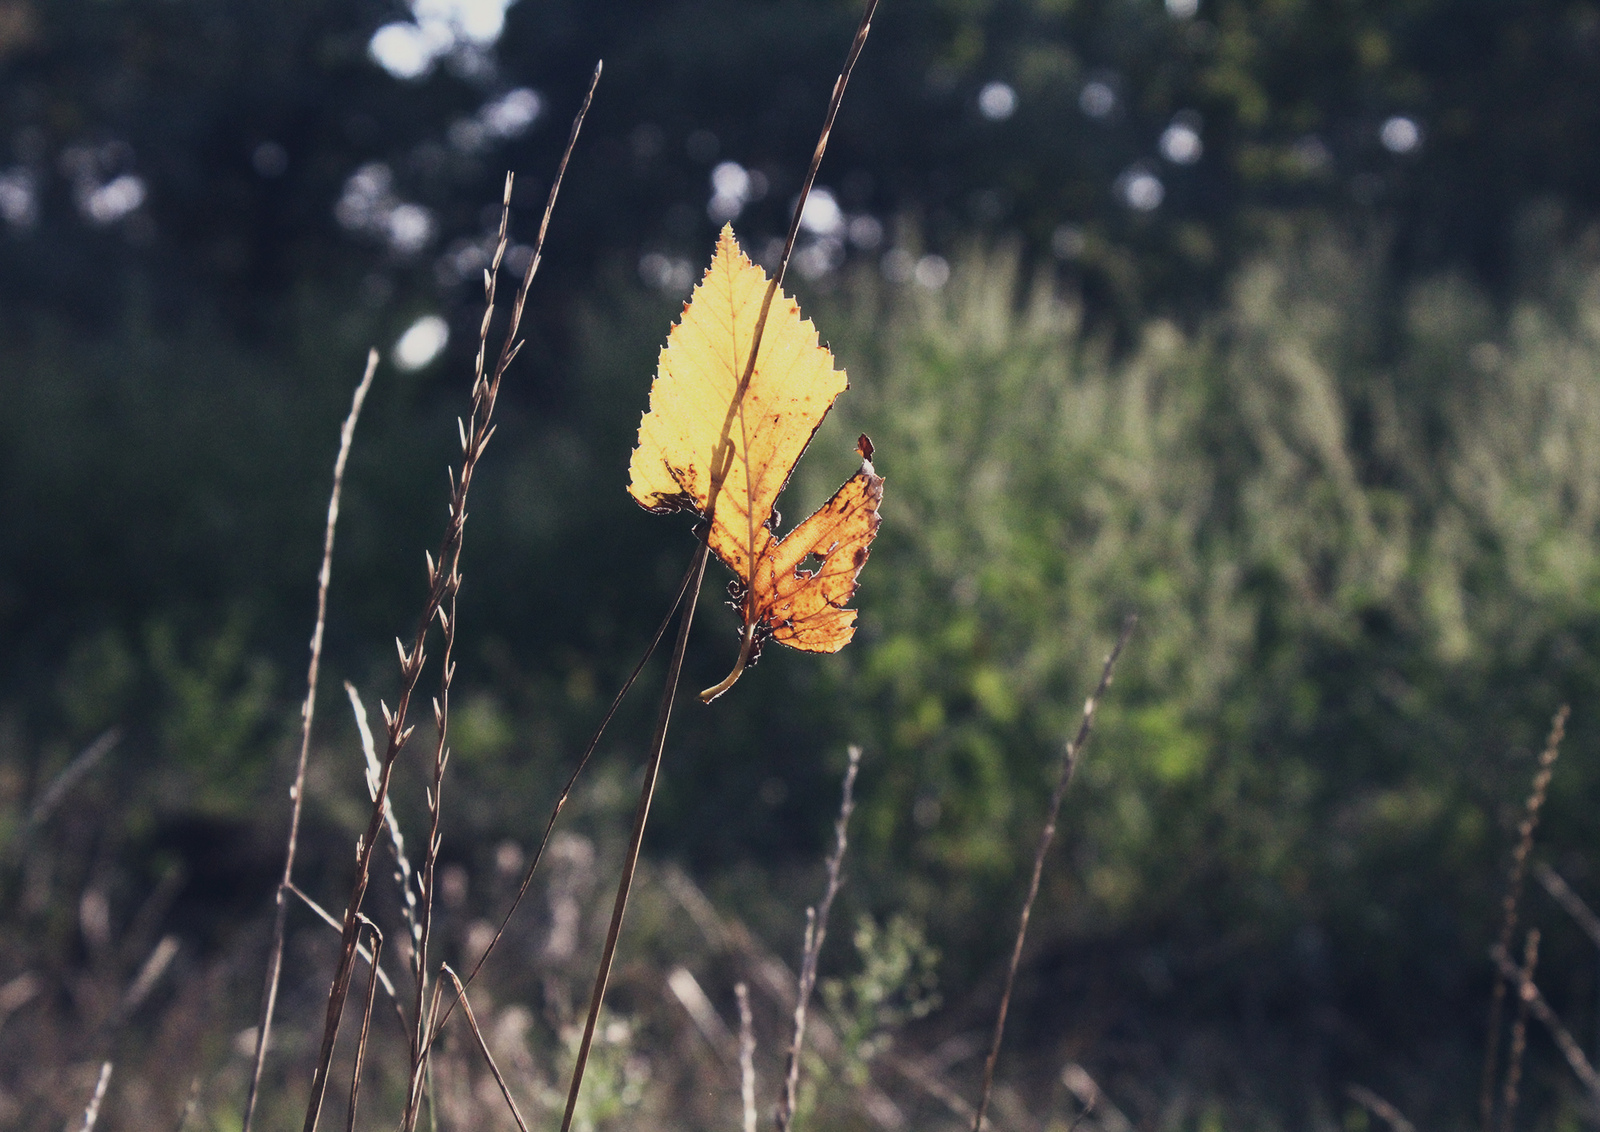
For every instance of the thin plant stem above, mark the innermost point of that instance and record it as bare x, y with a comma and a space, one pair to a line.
328, 918
646, 792
1519, 1035
70, 776
269, 996
816, 934
444, 579
424, 930
723, 451
566, 791
366, 1021
747, 1056
483, 1047
721, 461
403, 875
1537, 1006
1070, 757
91, 1111
1573, 904
1561, 892
1380, 1108
1509, 910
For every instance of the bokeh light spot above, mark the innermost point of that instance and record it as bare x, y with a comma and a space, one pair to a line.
1097, 99
997, 101
1400, 134
422, 342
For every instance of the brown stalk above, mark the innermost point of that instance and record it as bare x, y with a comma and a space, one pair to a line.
327, 917
1070, 757
1509, 909
747, 1056
1379, 1107
269, 996
566, 792
373, 977
1561, 892
1519, 1035
444, 579
641, 815
816, 934
424, 927
1540, 1009
409, 910
483, 1047
722, 460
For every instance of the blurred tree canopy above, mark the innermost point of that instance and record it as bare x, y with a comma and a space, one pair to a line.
1436, 120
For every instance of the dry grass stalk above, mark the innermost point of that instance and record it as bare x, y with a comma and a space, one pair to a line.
816, 934
91, 1112
1519, 1035
486, 389
1070, 757
722, 459
483, 1046
747, 1056
636, 840
269, 997
444, 580
362, 950
366, 1021
1561, 892
69, 777
1509, 908
1379, 1107
773, 977
566, 793
403, 876
1540, 1009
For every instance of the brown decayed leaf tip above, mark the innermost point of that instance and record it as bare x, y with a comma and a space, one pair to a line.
695, 409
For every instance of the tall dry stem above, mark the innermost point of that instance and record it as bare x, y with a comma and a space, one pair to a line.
444, 579
1070, 757
721, 460
269, 996
1510, 907
1529, 993
816, 934
747, 1056
1519, 1035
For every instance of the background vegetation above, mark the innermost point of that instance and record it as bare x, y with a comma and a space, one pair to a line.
1322, 406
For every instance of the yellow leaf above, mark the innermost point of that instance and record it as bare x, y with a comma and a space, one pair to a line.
704, 446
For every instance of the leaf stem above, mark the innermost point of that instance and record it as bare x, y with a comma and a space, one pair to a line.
746, 648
